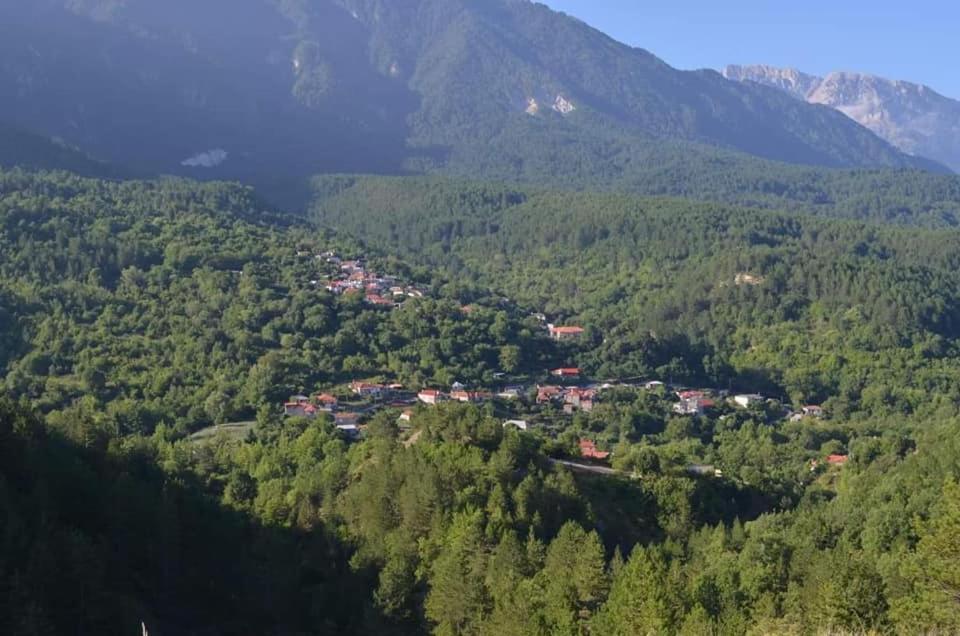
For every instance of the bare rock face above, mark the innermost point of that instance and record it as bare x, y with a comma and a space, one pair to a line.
786, 79
913, 117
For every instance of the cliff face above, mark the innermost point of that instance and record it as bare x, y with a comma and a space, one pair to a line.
789, 80
913, 117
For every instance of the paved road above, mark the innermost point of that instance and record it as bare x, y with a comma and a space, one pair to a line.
587, 468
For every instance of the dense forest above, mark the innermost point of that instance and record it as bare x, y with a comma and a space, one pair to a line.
134, 314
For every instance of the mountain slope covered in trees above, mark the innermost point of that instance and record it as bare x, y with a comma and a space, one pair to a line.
19, 148
497, 90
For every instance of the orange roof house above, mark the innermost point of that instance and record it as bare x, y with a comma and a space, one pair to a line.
588, 450
566, 333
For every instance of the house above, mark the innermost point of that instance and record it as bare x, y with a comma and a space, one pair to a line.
379, 301
588, 450
570, 372
813, 411
546, 394
565, 333
693, 406
350, 431
299, 409
746, 401
837, 460
345, 419
327, 402
519, 424
466, 396
406, 416
474, 397
691, 395
458, 386
653, 385
510, 393
429, 396
579, 400
300, 399
364, 389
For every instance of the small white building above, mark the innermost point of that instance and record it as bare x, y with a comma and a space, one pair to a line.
747, 400
520, 424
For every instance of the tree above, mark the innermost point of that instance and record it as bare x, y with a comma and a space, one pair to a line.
458, 600
574, 580
641, 600
934, 570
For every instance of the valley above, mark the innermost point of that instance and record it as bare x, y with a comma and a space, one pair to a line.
460, 317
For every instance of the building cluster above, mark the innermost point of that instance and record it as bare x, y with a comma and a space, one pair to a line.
354, 277
457, 393
693, 403
571, 399
348, 423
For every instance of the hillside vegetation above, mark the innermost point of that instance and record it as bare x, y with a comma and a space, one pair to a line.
135, 313
862, 314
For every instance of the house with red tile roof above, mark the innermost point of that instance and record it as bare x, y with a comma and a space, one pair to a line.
569, 372
579, 400
547, 394
588, 450
299, 409
565, 333
430, 396
379, 301
837, 460
327, 402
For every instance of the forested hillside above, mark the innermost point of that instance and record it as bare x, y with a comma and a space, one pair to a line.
19, 148
133, 314
135, 304
864, 315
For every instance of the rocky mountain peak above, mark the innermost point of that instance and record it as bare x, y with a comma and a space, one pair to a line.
913, 117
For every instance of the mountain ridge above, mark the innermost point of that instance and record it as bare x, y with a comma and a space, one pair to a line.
911, 116
500, 89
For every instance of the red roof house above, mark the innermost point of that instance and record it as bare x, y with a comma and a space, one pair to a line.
837, 460
325, 399
588, 450
547, 394
566, 373
566, 333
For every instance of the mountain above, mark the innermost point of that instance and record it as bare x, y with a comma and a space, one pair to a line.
503, 89
912, 117
21, 148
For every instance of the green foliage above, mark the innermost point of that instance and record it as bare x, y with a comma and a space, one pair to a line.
859, 316
183, 304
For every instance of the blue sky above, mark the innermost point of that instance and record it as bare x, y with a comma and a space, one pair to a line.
916, 40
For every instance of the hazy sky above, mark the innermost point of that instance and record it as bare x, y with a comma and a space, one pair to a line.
916, 40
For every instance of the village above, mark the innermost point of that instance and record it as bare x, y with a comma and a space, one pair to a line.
526, 405
560, 392
354, 277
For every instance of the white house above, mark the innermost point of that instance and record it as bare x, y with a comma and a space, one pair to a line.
746, 401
